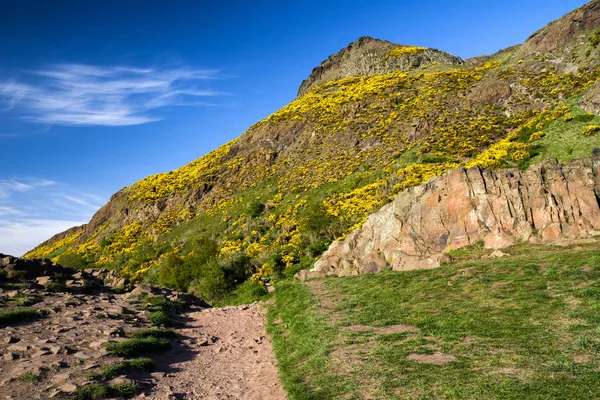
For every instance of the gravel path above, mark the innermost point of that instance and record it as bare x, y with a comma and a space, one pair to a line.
225, 354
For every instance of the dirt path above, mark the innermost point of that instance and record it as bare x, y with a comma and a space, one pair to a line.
225, 354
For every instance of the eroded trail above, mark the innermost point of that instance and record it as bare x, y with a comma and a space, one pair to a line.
225, 354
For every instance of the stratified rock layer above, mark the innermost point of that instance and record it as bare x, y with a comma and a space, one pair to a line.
547, 203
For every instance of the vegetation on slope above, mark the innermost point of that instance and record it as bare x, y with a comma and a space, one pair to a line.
268, 203
519, 327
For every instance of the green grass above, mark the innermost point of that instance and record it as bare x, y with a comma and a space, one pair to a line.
30, 378
565, 140
23, 300
520, 327
140, 365
98, 391
138, 346
19, 315
154, 333
92, 391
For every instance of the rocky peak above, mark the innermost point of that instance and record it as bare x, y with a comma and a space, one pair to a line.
567, 29
369, 56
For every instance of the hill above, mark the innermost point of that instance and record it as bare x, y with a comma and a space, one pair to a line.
372, 120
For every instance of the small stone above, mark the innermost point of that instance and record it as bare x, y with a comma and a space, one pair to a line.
68, 388
158, 375
18, 347
97, 344
11, 339
82, 356
10, 356
498, 254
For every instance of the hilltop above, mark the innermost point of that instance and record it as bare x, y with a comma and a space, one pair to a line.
370, 121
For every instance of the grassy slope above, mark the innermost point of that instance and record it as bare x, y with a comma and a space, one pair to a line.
565, 140
525, 326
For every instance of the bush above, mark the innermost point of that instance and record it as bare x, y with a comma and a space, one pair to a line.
255, 209
137, 347
177, 271
73, 260
211, 284
590, 130
160, 318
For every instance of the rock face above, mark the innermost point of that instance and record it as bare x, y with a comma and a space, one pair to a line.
591, 101
562, 31
368, 56
546, 203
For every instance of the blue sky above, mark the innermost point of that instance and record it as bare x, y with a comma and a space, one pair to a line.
95, 95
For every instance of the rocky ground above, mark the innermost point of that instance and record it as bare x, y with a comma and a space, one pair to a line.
93, 335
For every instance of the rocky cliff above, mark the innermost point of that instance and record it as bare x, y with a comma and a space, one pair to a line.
548, 202
368, 56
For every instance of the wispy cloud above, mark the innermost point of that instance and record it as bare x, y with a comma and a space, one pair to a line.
34, 209
7, 187
78, 94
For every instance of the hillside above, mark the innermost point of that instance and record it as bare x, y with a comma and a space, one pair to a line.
372, 120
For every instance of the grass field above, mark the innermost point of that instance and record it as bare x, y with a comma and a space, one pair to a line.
520, 327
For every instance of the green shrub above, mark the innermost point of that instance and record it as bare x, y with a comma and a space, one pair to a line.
255, 209
154, 332
91, 391
136, 347
211, 284
160, 318
15, 316
125, 390
73, 260
139, 364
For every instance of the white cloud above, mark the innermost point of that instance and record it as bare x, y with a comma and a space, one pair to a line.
32, 210
19, 236
7, 187
77, 94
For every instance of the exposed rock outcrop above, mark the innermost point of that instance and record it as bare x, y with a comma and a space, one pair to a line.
591, 101
546, 203
368, 56
570, 29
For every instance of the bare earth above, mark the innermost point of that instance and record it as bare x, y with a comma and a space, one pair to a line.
227, 356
